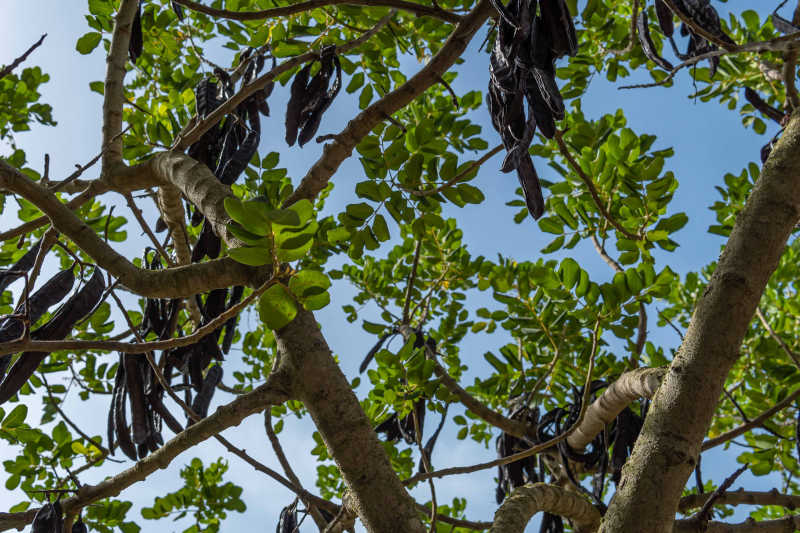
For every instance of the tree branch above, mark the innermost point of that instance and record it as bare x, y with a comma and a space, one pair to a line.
284, 11
630, 386
741, 497
756, 422
18, 61
518, 509
682, 409
382, 502
114, 87
168, 283
343, 144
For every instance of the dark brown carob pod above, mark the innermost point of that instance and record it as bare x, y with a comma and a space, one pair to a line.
135, 385
136, 44
16, 271
298, 98
756, 101
40, 301
49, 519
58, 327
665, 21
203, 399
648, 47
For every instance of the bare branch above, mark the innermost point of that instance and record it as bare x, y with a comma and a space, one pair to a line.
630, 386
14, 64
741, 497
169, 283
756, 422
114, 88
518, 509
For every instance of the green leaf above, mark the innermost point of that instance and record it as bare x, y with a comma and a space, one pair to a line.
16, 417
380, 228
251, 255
276, 307
570, 272
88, 42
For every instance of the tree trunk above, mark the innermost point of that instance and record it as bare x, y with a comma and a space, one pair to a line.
667, 449
383, 503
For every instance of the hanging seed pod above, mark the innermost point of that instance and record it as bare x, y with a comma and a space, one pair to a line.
287, 523
136, 43
15, 271
48, 519
756, 101
203, 399
665, 21
297, 102
78, 526
556, 17
648, 47
40, 301
58, 327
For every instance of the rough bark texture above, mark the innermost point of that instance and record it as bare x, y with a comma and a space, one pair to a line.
382, 502
666, 451
640, 383
526, 501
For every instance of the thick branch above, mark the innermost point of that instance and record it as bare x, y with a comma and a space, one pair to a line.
343, 144
273, 392
681, 411
285, 11
382, 502
630, 386
169, 283
518, 509
741, 497
114, 91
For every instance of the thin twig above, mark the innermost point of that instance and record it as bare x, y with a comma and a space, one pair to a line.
14, 64
131, 347
530, 451
412, 276
590, 185
137, 213
458, 178
788, 351
756, 422
779, 44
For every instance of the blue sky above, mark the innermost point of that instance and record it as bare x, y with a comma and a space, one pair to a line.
708, 140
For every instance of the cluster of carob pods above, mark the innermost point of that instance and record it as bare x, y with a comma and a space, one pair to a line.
622, 435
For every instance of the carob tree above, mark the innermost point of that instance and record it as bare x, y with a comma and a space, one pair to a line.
156, 339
